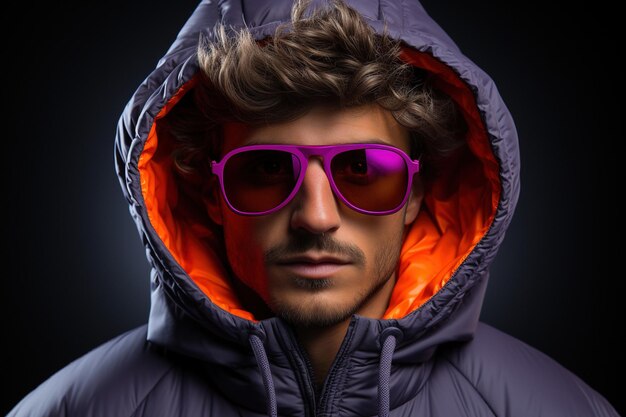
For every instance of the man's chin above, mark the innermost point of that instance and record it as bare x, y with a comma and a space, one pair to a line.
313, 284
319, 314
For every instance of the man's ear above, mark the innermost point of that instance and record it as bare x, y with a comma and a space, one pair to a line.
415, 201
212, 198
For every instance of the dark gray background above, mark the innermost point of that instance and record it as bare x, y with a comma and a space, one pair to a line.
75, 273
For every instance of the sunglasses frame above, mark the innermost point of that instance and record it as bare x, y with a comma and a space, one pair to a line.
327, 153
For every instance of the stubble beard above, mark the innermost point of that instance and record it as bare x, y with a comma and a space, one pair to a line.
314, 313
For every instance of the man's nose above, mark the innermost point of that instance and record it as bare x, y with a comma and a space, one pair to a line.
315, 207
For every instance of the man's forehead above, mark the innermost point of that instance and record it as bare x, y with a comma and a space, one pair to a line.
323, 126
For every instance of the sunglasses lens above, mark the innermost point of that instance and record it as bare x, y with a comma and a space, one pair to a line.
371, 179
259, 180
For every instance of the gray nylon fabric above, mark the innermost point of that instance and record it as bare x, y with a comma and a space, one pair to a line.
196, 359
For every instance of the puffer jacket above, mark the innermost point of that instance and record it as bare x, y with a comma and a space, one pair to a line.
203, 354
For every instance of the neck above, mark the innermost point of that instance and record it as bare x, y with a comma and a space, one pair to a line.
322, 343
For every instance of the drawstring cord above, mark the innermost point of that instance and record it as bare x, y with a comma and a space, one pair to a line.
266, 374
384, 369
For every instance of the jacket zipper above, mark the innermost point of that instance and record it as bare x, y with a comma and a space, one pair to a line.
329, 384
312, 408
307, 379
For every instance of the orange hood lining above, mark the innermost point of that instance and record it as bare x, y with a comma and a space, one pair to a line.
458, 208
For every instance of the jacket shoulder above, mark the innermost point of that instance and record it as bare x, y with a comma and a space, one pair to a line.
516, 379
112, 379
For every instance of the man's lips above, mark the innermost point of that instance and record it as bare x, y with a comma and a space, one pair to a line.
313, 267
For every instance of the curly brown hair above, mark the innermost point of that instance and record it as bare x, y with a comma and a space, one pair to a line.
324, 56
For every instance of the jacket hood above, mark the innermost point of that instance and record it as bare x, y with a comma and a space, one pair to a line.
443, 270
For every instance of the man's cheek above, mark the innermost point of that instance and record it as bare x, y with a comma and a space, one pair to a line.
246, 258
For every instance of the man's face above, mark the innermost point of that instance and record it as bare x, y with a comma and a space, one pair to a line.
316, 262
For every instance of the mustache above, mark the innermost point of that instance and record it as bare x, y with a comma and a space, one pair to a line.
298, 245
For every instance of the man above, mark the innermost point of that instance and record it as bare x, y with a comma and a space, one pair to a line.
320, 198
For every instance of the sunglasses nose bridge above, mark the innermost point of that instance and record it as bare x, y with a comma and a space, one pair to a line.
312, 152
318, 153
308, 155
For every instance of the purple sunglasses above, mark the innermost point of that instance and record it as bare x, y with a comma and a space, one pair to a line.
372, 178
